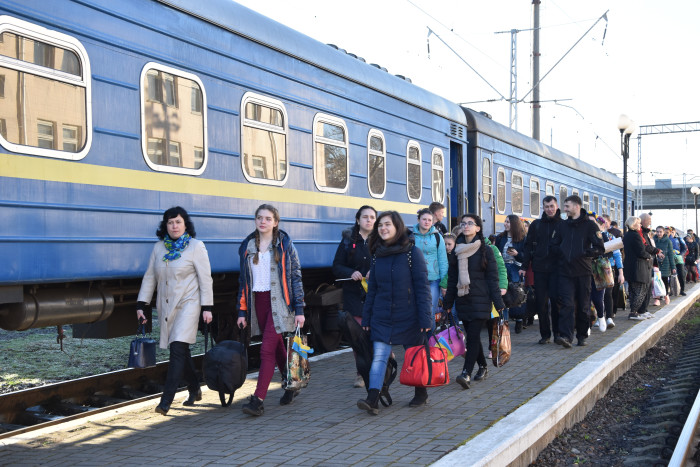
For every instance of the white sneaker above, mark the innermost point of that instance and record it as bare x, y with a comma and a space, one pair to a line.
647, 315
610, 323
359, 382
595, 325
602, 325
589, 331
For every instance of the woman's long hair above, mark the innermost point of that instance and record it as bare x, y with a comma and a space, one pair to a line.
517, 230
401, 236
275, 232
172, 213
480, 235
355, 234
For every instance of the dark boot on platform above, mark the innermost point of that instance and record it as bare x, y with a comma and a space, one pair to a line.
288, 396
254, 406
464, 379
163, 408
371, 404
420, 397
481, 374
194, 396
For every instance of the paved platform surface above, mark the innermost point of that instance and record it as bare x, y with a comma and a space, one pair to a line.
323, 426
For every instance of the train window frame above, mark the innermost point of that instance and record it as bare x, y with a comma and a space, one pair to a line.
335, 121
562, 197
549, 189
176, 72
409, 145
441, 170
265, 101
486, 175
373, 133
596, 204
604, 204
613, 213
574, 192
53, 38
537, 204
521, 187
499, 172
586, 200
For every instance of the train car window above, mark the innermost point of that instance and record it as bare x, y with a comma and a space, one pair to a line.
516, 193
501, 190
605, 205
330, 154
45, 87
438, 177
534, 197
596, 204
173, 135
549, 189
486, 179
574, 191
586, 201
376, 164
563, 194
264, 130
414, 172
613, 213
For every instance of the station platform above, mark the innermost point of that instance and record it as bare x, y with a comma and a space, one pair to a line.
504, 420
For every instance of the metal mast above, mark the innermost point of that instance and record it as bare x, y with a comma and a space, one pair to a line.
536, 70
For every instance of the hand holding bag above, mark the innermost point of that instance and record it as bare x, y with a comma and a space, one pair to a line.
298, 371
142, 352
500, 343
425, 367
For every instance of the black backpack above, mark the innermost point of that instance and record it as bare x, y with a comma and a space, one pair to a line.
225, 367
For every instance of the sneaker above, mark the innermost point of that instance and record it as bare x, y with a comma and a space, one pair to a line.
610, 323
636, 317
563, 342
359, 382
647, 315
481, 374
602, 325
464, 380
288, 397
254, 406
589, 331
543, 341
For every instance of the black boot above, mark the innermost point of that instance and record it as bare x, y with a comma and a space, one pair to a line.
371, 404
481, 374
518, 326
163, 408
420, 398
288, 396
254, 406
464, 379
194, 396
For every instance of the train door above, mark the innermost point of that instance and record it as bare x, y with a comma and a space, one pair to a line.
485, 192
458, 201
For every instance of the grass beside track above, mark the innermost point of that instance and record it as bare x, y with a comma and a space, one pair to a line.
34, 357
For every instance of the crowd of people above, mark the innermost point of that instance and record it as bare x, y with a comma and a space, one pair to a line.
396, 281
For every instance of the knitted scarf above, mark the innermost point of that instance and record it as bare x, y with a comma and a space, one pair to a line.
176, 247
463, 252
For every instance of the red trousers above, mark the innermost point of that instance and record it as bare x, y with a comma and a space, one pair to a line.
272, 349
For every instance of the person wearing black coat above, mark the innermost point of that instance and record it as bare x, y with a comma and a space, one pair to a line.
538, 253
578, 239
692, 258
397, 306
637, 265
472, 286
351, 265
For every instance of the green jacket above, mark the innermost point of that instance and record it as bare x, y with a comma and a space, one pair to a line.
502, 273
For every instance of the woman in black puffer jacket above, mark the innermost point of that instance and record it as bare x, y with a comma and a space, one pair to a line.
472, 286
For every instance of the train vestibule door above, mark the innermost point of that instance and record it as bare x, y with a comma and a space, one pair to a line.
458, 184
484, 182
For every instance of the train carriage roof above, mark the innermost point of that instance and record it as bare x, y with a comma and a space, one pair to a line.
263, 30
483, 124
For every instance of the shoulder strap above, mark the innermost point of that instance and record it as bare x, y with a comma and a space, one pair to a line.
437, 239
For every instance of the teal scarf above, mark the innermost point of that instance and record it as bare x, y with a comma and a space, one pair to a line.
175, 247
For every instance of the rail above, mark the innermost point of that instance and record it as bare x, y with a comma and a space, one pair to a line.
687, 441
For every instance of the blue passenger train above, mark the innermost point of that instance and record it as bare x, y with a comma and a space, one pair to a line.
112, 112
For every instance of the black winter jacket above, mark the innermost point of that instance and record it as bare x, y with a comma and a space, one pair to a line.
483, 286
635, 251
577, 241
352, 256
539, 243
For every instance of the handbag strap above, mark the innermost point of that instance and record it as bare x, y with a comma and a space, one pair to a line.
222, 398
427, 357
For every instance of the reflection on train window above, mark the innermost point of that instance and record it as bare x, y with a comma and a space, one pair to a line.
170, 135
501, 190
3, 128
516, 193
596, 205
613, 213
586, 202
549, 189
196, 100
414, 172
438, 178
330, 154
45, 91
605, 205
486, 179
376, 164
574, 192
563, 194
534, 197
264, 140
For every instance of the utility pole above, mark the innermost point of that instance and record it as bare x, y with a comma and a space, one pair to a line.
536, 70
513, 98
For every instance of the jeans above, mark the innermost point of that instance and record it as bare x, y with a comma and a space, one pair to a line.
598, 299
180, 365
382, 351
435, 296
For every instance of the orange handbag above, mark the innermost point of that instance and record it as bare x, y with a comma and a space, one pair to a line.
425, 367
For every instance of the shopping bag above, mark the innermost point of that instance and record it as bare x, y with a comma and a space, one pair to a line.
500, 343
614, 244
451, 339
602, 273
425, 367
142, 352
298, 371
659, 286
674, 285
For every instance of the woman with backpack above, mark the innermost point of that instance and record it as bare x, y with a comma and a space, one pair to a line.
351, 265
179, 268
431, 244
271, 298
397, 306
472, 286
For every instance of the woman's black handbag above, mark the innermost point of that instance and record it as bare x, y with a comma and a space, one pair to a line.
225, 366
515, 295
142, 353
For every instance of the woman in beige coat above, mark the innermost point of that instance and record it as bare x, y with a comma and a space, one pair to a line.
179, 269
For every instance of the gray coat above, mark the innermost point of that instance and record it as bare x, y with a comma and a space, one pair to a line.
184, 285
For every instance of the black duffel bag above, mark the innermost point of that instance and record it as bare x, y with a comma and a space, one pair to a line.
515, 295
225, 367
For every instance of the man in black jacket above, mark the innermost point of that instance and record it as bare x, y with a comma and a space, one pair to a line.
577, 239
538, 247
